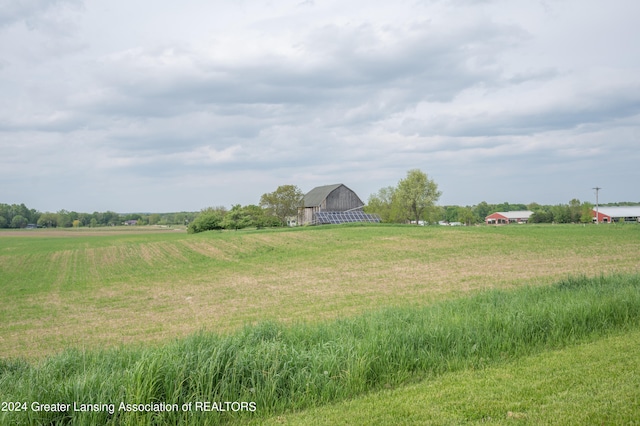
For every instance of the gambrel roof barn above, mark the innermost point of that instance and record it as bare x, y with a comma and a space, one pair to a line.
332, 204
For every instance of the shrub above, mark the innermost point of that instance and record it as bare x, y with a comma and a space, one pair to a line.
207, 220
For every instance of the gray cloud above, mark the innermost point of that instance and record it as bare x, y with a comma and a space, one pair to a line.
484, 96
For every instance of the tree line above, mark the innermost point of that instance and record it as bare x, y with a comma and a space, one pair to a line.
572, 212
20, 216
275, 209
413, 200
575, 211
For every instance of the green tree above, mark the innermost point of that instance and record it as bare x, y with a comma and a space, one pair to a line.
541, 215
451, 213
283, 202
65, 218
109, 218
8, 212
48, 220
384, 204
433, 214
19, 221
561, 213
235, 218
574, 210
256, 216
4, 214
533, 206
84, 218
466, 216
154, 219
416, 193
586, 215
482, 210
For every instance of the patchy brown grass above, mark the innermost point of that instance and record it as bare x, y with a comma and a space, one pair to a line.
206, 249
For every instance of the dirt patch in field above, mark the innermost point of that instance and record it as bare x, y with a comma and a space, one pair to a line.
160, 252
208, 249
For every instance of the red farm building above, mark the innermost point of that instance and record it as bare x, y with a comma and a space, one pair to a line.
505, 218
616, 214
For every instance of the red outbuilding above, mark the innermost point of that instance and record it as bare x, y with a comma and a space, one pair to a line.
617, 214
505, 218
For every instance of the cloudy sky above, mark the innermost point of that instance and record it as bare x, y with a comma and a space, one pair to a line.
158, 106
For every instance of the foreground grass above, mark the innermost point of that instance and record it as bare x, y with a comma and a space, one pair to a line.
283, 368
592, 383
99, 289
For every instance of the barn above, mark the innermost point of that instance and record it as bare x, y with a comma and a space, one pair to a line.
332, 204
616, 214
505, 218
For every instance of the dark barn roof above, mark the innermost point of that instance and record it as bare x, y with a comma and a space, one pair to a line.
317, 195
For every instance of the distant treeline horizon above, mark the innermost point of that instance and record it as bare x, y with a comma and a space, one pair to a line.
20, 216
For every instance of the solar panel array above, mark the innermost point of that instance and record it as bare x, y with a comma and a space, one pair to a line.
323, 218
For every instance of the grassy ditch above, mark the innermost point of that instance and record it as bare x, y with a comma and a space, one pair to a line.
594, 383
264, 370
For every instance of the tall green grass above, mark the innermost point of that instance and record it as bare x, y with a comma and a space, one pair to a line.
282, 368
592, 383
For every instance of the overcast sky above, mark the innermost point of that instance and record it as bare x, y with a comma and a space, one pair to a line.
158, 106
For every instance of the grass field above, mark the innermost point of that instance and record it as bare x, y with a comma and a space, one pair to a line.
88, 291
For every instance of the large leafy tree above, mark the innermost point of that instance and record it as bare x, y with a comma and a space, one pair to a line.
283, 202
416, 193
466, 216
482, 210
18, 221
258, 217
236, 218
586, 216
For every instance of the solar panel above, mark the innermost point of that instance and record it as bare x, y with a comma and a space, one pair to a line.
323, 218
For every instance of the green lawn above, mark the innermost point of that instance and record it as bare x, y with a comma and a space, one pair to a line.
595, 383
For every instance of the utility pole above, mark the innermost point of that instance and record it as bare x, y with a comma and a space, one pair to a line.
597, 188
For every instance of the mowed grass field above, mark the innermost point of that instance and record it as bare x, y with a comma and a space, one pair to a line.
95, 289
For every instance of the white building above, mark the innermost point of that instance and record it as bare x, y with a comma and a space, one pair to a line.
617, 214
